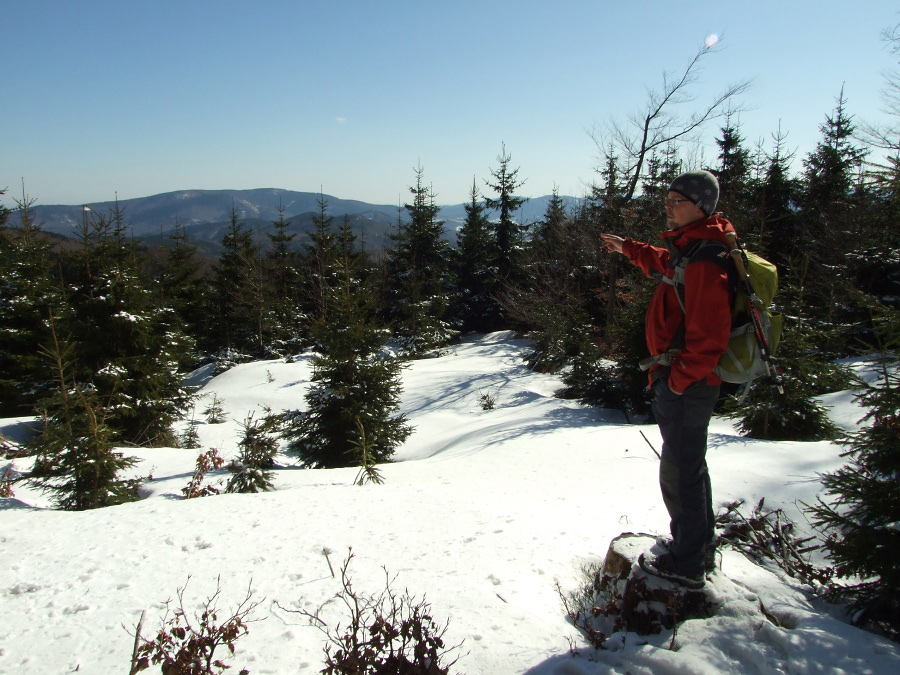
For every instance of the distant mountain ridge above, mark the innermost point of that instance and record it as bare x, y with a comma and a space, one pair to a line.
205, 213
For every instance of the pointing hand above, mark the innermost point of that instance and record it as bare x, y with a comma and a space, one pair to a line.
612, 242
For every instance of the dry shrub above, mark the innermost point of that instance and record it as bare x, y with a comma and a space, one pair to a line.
206, 462
187, 646
388, 633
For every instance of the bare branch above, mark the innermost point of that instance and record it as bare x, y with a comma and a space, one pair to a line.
659, 121
886, 136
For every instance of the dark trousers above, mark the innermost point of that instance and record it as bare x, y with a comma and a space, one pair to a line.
683, 475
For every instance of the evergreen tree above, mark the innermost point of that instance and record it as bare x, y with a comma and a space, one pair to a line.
4, 212
734, 175
285, 319
862, 515
184, 290
318, 266
777, 198
27, 292
475, 304
234, 294
128, 351
830, 226
606, 208
875, 264
648, 219
509, 234
280, 253
796, 414
594, 378
355, 388
550, 234
420, 277
252, 469
738, 186
755, 193
598, 380
76, 460
554, 304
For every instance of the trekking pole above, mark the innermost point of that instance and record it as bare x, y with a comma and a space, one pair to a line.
740, 261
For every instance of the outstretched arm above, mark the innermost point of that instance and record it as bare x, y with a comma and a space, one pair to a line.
649, 258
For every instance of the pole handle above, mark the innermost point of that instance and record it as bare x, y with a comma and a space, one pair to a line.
738, 254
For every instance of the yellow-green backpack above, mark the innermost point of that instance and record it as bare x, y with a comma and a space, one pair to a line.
743, 360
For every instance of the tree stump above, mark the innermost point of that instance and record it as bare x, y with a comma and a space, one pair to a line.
639, 602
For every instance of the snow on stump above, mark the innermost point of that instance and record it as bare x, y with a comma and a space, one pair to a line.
638, 602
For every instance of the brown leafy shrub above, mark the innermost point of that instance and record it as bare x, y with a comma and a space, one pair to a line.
8, 476
206, 462
187, 646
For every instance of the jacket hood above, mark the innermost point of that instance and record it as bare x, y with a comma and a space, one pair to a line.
714, 227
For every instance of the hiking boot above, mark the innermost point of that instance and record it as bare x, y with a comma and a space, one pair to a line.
709, 557
661, 566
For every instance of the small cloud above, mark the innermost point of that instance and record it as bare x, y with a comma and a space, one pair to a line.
340, 120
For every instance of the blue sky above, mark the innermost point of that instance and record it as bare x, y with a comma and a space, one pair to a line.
105, 98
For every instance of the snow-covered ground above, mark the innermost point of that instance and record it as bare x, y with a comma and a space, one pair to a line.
482, 513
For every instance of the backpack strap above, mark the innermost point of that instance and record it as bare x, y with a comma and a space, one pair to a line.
710, 250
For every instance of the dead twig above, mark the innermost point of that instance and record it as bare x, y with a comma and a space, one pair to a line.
650, 444
137, 644
770, 535
325, 552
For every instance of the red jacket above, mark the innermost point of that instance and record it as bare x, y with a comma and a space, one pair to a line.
707, 314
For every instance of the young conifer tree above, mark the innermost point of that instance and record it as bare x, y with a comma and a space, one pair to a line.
551, 233
355, 384
75, 456
554, 304
734, 175
796, 414
27, 291
775, 199
317, 274
593, 378
863, 505
129, 351
475, 306
252, 469
285, 319
509, 233
607, 208
420, 277
184, 290
233, 293
831, 226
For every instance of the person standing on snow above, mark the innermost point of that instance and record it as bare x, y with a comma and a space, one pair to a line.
685, 336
